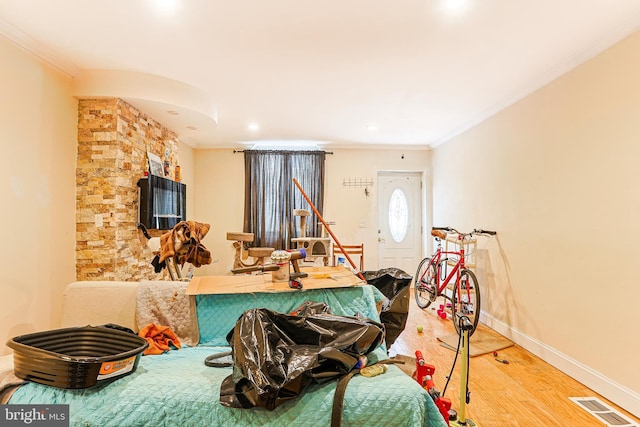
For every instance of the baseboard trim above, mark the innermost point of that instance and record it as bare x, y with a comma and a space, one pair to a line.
621, 395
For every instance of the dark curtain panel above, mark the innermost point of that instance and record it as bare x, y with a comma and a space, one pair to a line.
271, 196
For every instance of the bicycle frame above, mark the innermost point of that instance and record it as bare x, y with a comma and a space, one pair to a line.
438, 260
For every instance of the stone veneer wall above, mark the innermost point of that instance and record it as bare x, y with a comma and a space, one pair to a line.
113, 139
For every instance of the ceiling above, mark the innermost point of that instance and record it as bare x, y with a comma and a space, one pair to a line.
339, 73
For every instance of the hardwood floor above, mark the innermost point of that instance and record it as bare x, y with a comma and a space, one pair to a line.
525, 392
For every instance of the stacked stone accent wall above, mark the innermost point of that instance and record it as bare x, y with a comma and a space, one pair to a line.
113, 140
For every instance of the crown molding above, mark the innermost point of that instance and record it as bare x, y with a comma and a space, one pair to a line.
597, 47
37, 49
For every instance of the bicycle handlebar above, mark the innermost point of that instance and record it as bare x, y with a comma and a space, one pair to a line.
481, 231
475, 231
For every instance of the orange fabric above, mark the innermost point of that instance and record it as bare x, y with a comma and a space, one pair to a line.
195, 230
179, 240
160, 338
167, 249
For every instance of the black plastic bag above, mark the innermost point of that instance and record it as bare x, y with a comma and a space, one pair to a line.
395, 285
276, 356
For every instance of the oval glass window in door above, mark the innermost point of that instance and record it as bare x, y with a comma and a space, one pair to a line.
398, 215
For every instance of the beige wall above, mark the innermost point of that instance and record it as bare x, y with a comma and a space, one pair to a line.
557, 176
220, 197
186, 161
356, 214
38, 139
219, 201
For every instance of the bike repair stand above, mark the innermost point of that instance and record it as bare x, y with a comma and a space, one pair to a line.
461, 420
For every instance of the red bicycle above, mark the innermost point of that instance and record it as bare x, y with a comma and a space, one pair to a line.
433, 278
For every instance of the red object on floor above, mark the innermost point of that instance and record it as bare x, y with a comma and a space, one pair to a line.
424, 376
441, 312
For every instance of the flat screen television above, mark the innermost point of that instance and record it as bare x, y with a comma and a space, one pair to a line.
162, 202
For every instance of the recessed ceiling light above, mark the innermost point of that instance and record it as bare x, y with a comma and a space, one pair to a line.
455, 5
372, 128
165, 7
253, 127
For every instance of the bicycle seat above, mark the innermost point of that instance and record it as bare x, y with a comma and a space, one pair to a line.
439, 234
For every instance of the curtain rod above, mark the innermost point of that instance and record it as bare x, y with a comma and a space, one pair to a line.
242, 151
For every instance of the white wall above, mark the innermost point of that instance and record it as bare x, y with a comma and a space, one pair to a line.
38, 138
220, 197
556, 175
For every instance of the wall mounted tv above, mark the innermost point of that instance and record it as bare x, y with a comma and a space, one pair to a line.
163, 202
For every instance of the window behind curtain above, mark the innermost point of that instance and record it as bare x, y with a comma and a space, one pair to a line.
271, 196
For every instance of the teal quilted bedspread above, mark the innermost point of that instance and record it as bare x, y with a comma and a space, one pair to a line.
177, 389
217, 314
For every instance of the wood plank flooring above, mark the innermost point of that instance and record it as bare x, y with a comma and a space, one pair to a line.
525, 392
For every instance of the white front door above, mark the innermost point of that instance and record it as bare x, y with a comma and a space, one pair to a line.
399, 220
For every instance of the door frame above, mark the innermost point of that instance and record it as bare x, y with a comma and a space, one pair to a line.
424, 202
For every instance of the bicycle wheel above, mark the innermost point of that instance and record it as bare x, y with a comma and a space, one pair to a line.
426, 283
466, 300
